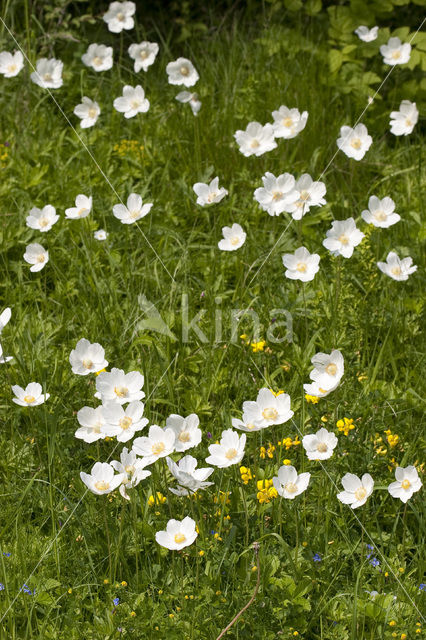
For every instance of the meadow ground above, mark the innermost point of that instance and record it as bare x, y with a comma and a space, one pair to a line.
78, 565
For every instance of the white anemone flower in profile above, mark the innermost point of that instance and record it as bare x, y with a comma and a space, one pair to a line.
354, 142
102, 479
11, 63
268, 409
328, 369
246, 424
301, 265
288, 123
289, 483
356, 490
402, 122
320, 445
182, 71
178, 534
343, 237
83, 206
132, 101
143, 54
233, 238
277, 193
314, 389
407, 483
42, 219
190, 98
128, 421
311, 194
98, 57
31, 396
395, 52
48, 73
256, 139
209, 193
119, 386
93, 426
397, 268
159, 443
186, 430
87, 358
88, 111
134, 211
133, 468
4, 359
380, 213
37, 256
100, 234
229, 451
5, 316
190, 478
366, 34
120, 16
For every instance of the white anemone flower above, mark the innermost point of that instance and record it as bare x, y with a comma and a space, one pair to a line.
87, 358
98, 57
119, 386
42, 219
83, 206
120, 16
178, 534
48, 73
209, 193
4, 359
133, 468
5, 316
158, 444
343, 237
128, 421
88, 111
314, 389
37, 256
186, 97
394, 52
354, 142
288, 123
301, 265
102, 479
328, 369
380, 213
134, 211
256, 139
289, 483
190, 478
320, 445
93, 426
233, 238
397, 268
182, 71
230, 450
186, 430
132, 101
268, 409
311, 194
100, 234
366, 34
402, 122
246, 424
31, 396
407, 483
356, 491
277, 193
143, 54
11, 63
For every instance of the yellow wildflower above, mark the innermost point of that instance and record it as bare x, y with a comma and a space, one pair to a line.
159, 499
311, 399
258, 346
345, 425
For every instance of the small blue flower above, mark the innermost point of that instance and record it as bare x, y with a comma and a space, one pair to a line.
25, 588
374, 562
7, 554
317, 558
370, 546
116, 601
1, 586
422, 586
212, 532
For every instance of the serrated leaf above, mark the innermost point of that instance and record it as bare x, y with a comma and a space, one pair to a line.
335, 59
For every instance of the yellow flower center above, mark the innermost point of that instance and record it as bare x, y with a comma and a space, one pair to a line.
130, 469
158, 448
120, 16
211, 196
250, 425
396, 54
92, 112
356, 143
344, 239
408, 122
125, 422
97, 61
121, 392
41, 258
380, 215
87, 364
11, 68
143, 54
396, 271
135, 214
44, 222
184, 436
235, 240
277, 195
287, 122
322, 447
255, 144
290, 487
179, 537
231, 454
97, 427
301, 266
184, 70
270, 413
304, 195
47, 77
331, 369
29, 399
101, 485
405, 484
360, 493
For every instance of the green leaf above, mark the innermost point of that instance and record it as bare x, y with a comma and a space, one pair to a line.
313, 7
335, 59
